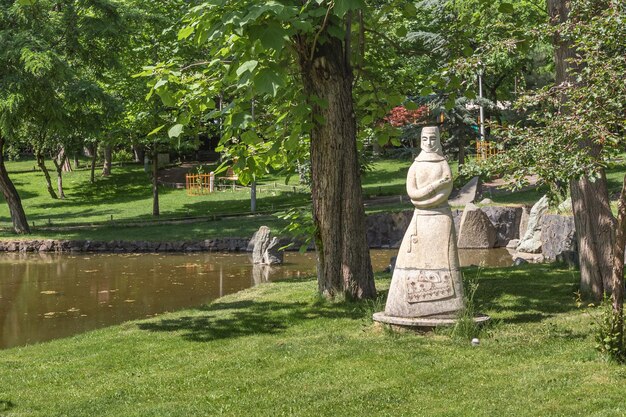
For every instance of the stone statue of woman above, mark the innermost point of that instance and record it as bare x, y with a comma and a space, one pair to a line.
427, 279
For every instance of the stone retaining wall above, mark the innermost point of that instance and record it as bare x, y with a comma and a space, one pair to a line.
234, 244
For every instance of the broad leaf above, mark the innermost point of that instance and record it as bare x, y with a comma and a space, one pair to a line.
247, 66
343, 6
175, 131
268, 81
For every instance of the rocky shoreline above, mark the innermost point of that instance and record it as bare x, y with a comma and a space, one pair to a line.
384, 230
234, 244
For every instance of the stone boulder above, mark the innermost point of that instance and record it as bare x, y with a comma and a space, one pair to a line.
531, 241
468, 194
558, 235
264, 248
386, 230
273, 255
506, 220
476, 230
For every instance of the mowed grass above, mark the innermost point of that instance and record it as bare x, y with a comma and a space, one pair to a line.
277, 350
126, 196
113, 206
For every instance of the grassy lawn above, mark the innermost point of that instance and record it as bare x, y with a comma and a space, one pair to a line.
126, 198
105, 209
278, 350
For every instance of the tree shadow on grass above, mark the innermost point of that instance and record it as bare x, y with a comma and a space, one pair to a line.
6, 405
527, 294
227, 320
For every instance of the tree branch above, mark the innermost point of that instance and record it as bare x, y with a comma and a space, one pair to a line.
319, 32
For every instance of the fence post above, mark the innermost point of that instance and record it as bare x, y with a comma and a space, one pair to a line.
211, 181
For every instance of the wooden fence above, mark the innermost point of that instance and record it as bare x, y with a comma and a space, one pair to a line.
198, 184
485, 150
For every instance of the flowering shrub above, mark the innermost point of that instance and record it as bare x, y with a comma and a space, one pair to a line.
400, 116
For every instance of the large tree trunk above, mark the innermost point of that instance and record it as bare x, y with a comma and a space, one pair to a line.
41, 163
590, 200
106, 169
18, 217
155, 183
595, 233
617, 284
344, 265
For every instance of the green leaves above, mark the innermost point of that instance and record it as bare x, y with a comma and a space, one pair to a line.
506, 8
26, 2
175, 131
343, 6
247, 66
185, 32
268, 81
273, 37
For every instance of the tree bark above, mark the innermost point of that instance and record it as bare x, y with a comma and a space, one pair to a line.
595, 233
41, 163
155, 184
590, 200
18, 217
343, 260
617, 278
106, 169
59, 162
139, 153
94, 157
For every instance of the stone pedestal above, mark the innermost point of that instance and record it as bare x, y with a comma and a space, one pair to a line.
424, 324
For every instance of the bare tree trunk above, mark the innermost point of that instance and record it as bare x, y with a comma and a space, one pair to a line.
590, 200
18, 217
344, 265
139, 153
41, 163
94, 157
59, 163
155, 183
106, 169
617, 296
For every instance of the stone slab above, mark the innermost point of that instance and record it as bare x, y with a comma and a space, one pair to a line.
468, 194
429, 322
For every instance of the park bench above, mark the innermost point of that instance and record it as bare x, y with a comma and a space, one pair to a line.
230, 176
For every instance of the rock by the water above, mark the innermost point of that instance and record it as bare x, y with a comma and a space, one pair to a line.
485, 201
265, 248
273, 255
565, 206
385, 230
506, 220
519, 261
476, 230
531, 241
558, 234
512, 244
468, 194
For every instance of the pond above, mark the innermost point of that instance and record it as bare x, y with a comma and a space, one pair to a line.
50, 296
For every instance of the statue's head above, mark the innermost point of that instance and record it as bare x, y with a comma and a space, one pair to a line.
430, 139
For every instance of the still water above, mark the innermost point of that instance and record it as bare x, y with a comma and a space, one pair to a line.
50, 296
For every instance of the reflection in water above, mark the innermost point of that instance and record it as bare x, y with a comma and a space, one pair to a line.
49, 296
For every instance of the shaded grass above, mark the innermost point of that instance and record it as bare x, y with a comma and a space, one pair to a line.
278, 350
